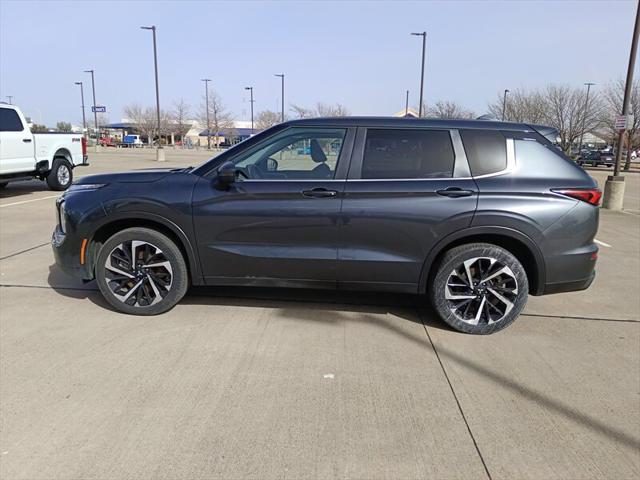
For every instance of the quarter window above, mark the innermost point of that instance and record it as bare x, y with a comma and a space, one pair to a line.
410, 153
486, 151
10, 121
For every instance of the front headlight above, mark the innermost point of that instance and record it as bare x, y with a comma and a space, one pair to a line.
62, 217
85, 186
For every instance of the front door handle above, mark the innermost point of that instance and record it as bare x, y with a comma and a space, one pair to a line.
455, 192
26, 140
319, 193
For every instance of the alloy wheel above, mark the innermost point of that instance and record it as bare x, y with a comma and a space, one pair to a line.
63, 175
138, 273
481, 291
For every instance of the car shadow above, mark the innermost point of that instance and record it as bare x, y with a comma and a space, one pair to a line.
20, 188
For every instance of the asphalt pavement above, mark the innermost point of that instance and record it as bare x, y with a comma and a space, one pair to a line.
279, 383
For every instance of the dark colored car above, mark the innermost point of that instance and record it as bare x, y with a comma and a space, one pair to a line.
477, 215
595, 158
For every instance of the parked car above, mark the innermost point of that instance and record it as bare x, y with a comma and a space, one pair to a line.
46, 156
476, 215
108, 142
131, 141
595, 158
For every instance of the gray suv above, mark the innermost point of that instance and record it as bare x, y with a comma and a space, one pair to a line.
476, 215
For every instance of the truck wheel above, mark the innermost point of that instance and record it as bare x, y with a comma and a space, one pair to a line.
479, 288
141, 272
3, 184
61, 174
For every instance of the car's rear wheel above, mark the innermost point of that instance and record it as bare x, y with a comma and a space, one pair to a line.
61, 174
141, 272
479, 288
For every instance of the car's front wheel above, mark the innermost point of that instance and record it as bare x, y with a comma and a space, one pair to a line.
141, 272
479, 288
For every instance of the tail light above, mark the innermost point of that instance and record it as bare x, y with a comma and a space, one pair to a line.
84, 146
590, 195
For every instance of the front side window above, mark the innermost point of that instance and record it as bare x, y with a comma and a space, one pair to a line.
10, 121
294, 154
410, 153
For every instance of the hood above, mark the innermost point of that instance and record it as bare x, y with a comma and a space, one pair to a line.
140, 176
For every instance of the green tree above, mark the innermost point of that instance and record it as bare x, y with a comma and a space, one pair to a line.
35, 128
63, 126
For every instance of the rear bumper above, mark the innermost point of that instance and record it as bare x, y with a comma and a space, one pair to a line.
572, 286
85, 161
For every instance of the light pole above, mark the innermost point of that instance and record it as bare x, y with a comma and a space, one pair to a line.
614, 186
206, 103
281, 75
95, 113
251, 101
424, 49
159, 150
504, 103
84, 119
584, 116
10, 97
406, 104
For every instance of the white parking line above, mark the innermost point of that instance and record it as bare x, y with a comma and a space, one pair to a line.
28, 201
599, 242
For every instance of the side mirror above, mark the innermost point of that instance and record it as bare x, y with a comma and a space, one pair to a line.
227, 173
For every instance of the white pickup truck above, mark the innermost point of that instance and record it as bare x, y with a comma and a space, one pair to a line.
47, 156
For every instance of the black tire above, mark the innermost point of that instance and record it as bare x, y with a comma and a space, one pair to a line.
3, 185
60, 176
152, 280
447, 288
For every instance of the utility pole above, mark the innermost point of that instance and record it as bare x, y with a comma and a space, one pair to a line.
406, 104
424, 48
281, 75
504, 103
206, 102
251, 101
84, 119
584, 116
95, 114
614, 186
159, 150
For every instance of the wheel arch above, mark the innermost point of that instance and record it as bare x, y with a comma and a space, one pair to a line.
517, 243
63, 153
114, 224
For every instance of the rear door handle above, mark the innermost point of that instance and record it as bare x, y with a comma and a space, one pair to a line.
319, 192
455, 192
26, 140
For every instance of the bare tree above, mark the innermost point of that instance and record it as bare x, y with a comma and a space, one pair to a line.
449, 110
321, 110
63, 126
266, 119
144, 119
302, 112
522, 106
612, 96
220, 120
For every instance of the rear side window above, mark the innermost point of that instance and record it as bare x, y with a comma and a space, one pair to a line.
391, 153
486, 151
10, 121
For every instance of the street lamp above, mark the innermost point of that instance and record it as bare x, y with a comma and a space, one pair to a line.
95, 113
424, 48
159, 150
406, 105
281, 75
10, 97
251, 101
84, 119
504, 103
206, 100
584, 115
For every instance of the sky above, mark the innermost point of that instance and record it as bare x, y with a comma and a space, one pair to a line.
356, 53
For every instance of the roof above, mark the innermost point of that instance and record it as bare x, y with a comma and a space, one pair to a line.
408, 122
239, 132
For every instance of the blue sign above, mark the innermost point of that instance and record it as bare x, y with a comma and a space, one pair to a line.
99, 109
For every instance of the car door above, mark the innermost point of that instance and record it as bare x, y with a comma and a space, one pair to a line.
16, 143
407, 188
277, 223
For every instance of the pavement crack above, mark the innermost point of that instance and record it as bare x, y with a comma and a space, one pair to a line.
24, 251
43, 287
594, 319
455, 396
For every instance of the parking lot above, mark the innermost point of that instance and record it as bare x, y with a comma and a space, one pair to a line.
266, 383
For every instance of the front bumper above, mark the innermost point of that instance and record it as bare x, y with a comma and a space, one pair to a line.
66, 252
